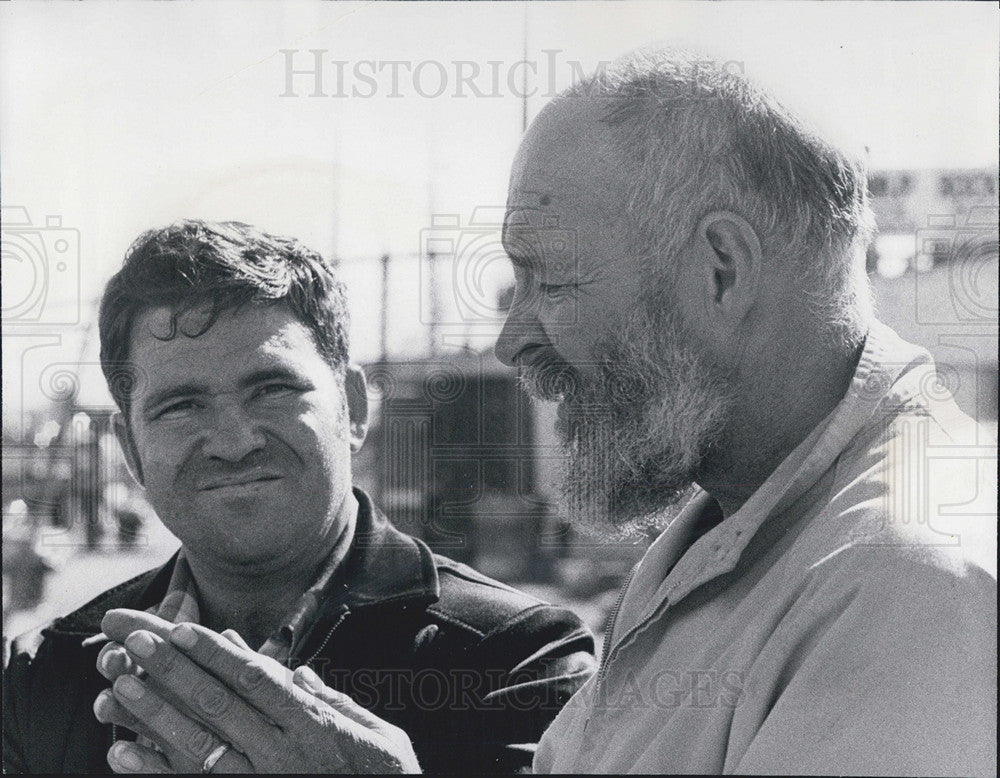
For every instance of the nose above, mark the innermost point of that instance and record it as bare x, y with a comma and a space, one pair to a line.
233, 435
520, 330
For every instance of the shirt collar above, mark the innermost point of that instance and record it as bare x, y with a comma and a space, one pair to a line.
383, 565
181, 602
881, 382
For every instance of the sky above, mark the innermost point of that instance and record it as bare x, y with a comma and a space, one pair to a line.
117, 117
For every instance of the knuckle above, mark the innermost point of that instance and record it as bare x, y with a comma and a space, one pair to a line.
153, 708
199, 743
212, 652
322, 716
212, 700
252, 676
166, 660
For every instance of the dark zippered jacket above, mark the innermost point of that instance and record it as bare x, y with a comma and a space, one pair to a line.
470, 668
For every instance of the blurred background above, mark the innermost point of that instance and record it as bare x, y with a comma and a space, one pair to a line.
382, 135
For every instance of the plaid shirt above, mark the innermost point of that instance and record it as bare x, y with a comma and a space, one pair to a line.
180, 603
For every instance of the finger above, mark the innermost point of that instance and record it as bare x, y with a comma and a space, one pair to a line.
119, 623
109, 711
125, 757
259, 680
173, 677
391, 749
113, 661
306, 678
186, 743
234, 637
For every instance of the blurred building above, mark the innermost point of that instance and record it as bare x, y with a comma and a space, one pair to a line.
933, 268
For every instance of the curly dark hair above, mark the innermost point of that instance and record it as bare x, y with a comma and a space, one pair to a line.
220, 266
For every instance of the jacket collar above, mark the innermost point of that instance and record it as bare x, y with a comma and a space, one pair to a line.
882, 381
140, 593
383, 566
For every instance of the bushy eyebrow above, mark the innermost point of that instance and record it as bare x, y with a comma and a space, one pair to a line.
269, 374
518, 258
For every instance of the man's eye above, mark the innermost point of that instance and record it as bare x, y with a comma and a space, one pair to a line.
174, 409
276, 390
556, 288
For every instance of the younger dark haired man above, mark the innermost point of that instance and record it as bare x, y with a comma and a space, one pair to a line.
227, 351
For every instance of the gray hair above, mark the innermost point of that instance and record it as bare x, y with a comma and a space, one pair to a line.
699, 137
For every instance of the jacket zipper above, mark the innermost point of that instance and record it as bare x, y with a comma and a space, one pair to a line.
606, 650
609, 629
329, 635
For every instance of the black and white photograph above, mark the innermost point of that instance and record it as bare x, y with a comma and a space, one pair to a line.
600, 386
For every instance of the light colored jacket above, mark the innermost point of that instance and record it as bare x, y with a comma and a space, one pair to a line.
843, 620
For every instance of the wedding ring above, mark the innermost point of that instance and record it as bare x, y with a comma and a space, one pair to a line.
214, 757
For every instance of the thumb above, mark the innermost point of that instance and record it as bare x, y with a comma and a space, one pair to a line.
234, 637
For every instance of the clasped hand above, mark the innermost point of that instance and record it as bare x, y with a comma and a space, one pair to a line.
200, 690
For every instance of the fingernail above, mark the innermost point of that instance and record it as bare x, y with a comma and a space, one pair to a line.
126, 757
114, 660
101, 706
183, 636
309, 678
141, 644
129, 688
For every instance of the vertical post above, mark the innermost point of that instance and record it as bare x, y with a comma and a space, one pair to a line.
383, 330
435, 302
432, 281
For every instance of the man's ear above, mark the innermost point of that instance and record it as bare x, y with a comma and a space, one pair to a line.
731, 266
356, 389
124, 434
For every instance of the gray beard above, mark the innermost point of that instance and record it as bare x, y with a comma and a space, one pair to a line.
636, 429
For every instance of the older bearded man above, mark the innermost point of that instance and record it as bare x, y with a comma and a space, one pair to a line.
825, 600
818, 605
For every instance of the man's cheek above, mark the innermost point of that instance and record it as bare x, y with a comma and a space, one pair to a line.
162, 476
166, 489
157, 454
317, 430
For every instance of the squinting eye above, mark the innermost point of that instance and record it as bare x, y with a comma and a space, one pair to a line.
175, 409
556, 288
273, 390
